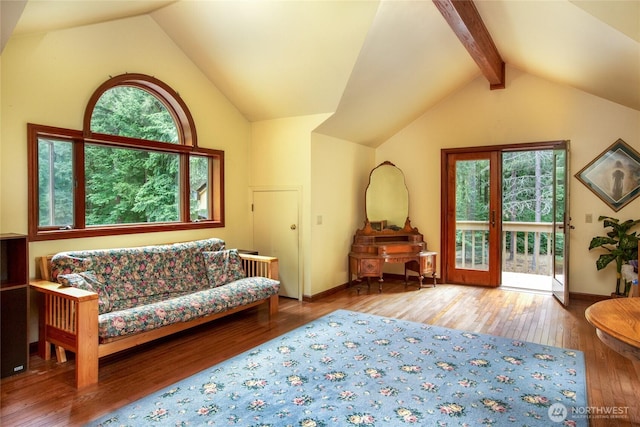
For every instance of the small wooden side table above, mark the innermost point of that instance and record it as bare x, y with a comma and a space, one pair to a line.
617, 323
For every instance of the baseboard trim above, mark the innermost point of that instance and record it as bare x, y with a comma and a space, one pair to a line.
587, 297
385, 276
572, 295
312, 298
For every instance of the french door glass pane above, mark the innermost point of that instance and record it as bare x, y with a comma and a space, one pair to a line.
472, 214
559, 218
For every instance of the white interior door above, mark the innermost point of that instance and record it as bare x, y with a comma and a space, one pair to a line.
276, 233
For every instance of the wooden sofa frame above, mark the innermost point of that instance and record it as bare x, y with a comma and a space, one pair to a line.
69, 319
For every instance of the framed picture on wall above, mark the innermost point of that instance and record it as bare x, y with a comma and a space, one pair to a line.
614, 176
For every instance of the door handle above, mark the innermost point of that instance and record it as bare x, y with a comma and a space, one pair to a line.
567, 225
493, 219
293, 226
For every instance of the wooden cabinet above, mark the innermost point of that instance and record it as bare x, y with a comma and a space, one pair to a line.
14, 275
370, 252
363, 265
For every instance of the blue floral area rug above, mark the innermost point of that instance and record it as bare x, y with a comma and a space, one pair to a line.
355, 369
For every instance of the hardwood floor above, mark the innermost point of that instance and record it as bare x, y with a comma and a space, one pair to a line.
45, 396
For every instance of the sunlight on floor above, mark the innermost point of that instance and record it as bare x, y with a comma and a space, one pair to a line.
526, 282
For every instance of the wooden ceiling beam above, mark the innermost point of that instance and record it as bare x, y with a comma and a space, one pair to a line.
463, 17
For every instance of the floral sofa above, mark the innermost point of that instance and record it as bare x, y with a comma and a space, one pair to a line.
98, 302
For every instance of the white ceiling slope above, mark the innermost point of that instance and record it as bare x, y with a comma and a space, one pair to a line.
272, 59
376, 64
409, 61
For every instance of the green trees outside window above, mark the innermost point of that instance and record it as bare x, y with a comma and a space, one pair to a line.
55, 182
137, 165
133, 112
527, 196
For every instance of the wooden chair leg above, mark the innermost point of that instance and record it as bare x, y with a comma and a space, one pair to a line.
61, 354
273, 305
87, 344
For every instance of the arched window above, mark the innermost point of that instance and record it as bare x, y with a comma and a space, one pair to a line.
133, 112
135, 167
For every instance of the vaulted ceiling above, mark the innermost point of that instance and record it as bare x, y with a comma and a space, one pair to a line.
375, 65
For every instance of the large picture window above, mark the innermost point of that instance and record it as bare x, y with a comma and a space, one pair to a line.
135, 167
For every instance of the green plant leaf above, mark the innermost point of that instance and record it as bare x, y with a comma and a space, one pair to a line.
628, 241
604, 260
600, 241
608, 221
628, 224
622, 246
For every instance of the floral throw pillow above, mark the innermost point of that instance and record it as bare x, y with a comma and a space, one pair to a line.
223, 267
88, 281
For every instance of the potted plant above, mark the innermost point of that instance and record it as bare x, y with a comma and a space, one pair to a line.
621, 245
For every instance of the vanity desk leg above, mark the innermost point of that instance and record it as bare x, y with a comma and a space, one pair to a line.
406, 278
415, 267
358, 279
380, 280
425, 266
359, 284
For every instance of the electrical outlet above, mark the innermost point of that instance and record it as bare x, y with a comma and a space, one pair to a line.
588, 218
319, 220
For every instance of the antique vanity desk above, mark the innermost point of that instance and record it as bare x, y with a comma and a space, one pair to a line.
387, 236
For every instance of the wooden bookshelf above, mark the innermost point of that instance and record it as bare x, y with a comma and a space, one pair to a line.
14, 303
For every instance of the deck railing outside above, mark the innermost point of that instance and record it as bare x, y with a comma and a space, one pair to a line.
526, 246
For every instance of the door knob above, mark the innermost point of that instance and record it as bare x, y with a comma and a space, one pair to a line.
293, 226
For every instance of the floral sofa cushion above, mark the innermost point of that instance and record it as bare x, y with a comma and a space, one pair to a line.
88, 281
223, 266
136, 276
186, 307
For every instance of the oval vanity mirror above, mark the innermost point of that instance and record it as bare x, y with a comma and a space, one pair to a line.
387, 198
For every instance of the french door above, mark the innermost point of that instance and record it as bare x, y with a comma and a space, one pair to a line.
474, 230
561, 227
471, 246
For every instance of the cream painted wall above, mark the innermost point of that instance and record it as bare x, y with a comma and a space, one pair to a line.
280, 156
530, 109
48, 78
339, 177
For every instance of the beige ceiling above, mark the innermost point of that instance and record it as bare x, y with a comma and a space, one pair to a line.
376, 65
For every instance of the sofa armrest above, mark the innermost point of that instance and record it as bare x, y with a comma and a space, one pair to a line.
70, 320
69, 292
260, 265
